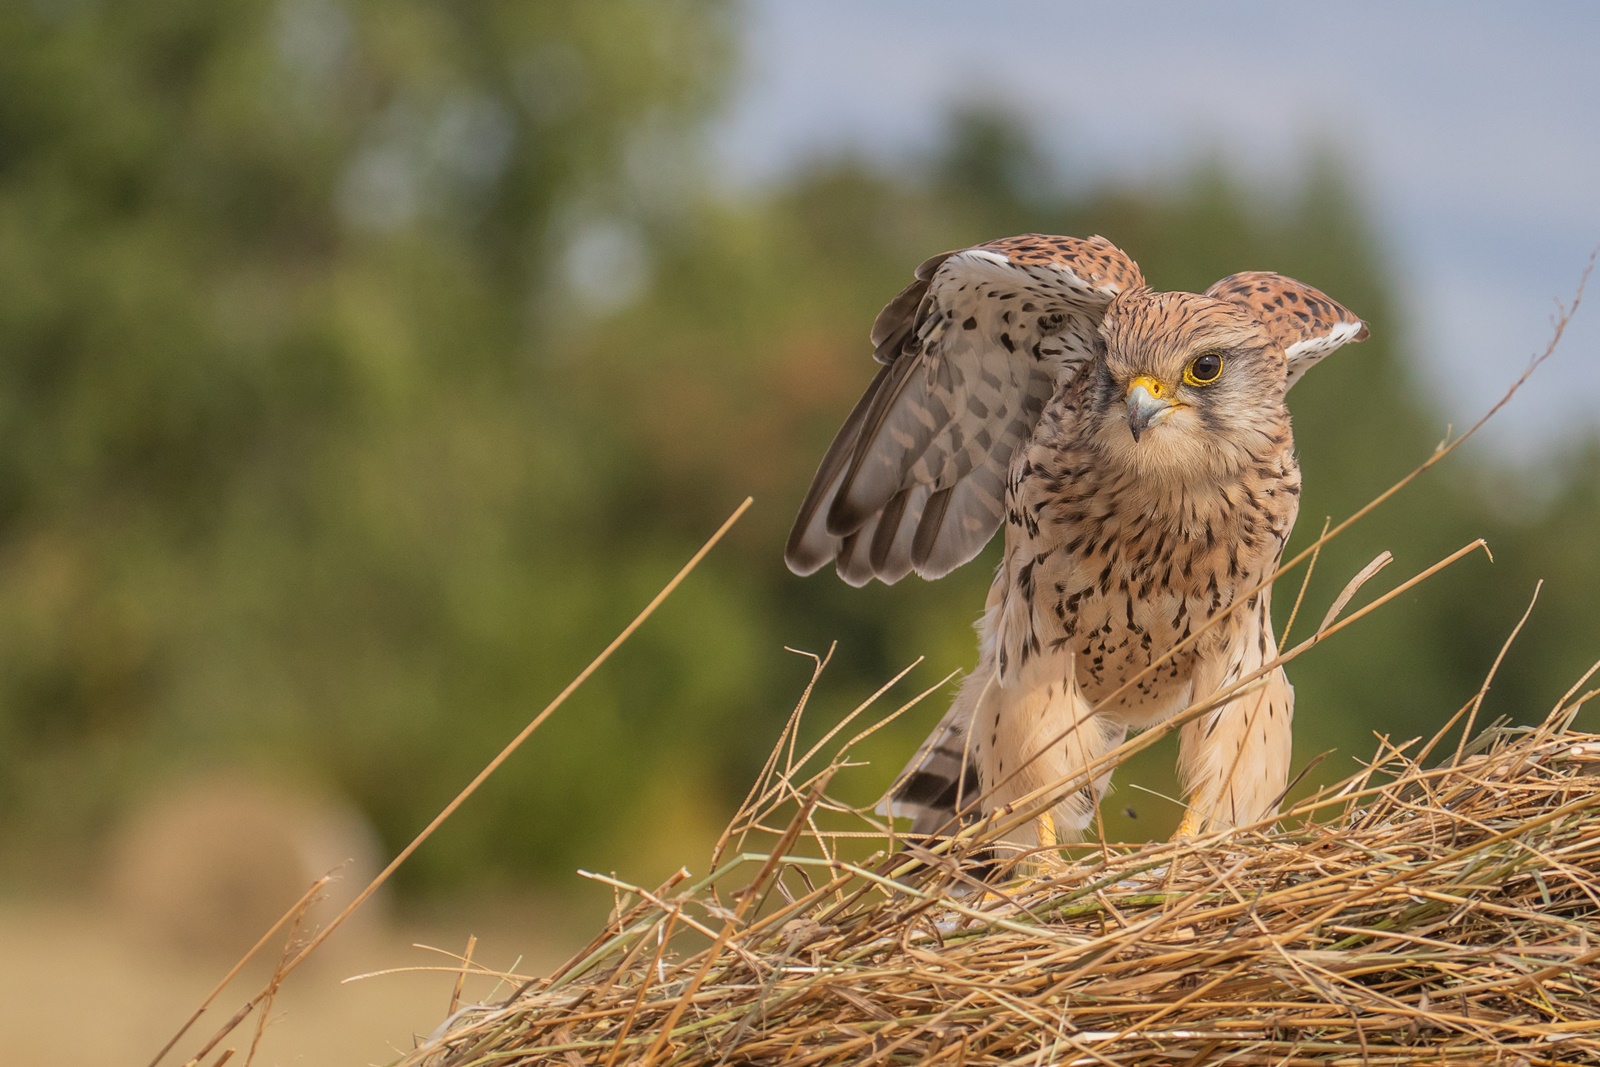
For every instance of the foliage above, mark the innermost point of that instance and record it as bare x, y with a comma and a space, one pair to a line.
285, 480
367, 365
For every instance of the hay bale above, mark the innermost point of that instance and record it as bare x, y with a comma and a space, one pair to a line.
203, 865
1443, 914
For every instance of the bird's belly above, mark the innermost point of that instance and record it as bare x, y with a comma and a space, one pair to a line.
1123, 657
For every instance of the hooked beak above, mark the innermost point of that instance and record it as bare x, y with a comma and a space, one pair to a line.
1149, 402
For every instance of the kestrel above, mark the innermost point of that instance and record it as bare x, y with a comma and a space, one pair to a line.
1136, 446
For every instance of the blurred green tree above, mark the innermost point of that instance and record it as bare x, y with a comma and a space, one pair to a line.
367, 365
285, 482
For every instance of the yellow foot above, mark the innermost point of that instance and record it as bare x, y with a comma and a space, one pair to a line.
1190, 827
1048, 859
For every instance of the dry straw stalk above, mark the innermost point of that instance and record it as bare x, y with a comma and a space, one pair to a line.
1409, 914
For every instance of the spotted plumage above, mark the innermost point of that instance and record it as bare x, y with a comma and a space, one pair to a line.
1136, 447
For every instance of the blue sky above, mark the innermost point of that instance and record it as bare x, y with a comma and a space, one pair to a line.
1473, 128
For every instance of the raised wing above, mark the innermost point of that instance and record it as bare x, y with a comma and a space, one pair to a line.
1306, 322
972, 351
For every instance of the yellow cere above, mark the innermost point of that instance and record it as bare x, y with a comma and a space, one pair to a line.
1153, 387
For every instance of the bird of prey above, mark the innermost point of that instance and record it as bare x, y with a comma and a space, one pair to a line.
1136, 447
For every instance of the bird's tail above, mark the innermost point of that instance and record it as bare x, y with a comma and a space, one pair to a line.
937, 789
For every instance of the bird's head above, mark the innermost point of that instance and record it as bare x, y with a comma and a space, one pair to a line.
1189, 386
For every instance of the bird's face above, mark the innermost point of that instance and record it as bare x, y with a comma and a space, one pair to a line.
1189, 387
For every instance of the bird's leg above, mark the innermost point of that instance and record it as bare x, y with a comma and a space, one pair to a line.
1190, 826
1047, 860
1045, 825
1235, 761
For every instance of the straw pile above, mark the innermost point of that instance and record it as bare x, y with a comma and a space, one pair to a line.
1414, 913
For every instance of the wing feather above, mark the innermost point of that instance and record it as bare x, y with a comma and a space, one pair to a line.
894, 322
973, 350
1305, 322
810, 545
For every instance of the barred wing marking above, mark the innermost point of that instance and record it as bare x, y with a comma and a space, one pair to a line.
973, 351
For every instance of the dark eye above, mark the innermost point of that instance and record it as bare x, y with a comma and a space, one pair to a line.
1203, 369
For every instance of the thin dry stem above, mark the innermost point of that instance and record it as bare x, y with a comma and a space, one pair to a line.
1446, 914
1409, 913
449, 809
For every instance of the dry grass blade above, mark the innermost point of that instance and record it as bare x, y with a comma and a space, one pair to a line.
296, 910
461, 976
265, 1014
1408, 914
1353, 587
1305, 583
1445, 914
288, 965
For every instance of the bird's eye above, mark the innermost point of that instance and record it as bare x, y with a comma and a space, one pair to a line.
1203, 369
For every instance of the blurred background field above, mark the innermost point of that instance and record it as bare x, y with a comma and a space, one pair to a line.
364, 368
